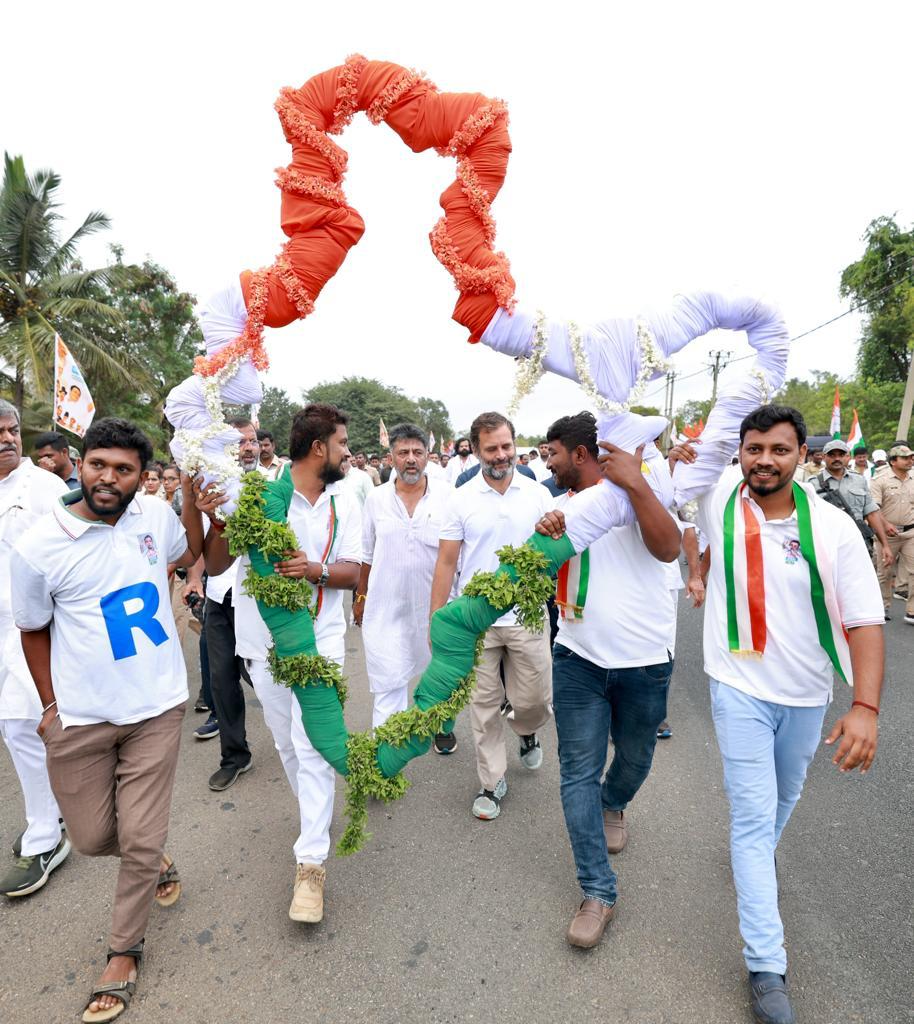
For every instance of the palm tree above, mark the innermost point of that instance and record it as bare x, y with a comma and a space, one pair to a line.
44, 289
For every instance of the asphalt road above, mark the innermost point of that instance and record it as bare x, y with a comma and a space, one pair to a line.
445, 918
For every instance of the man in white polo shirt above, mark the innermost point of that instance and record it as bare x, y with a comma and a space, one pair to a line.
401, 523
612, 662
92, 601
327, 522
786, 567
26, 492
497, 507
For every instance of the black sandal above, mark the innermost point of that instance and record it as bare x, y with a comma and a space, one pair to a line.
122, 990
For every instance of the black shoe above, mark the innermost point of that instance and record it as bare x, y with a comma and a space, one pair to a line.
17, 842
201, 706
770, 1004
226, 777
445, 743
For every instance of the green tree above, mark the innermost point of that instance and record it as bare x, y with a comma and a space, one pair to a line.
275, 414
44, 289
882, 281
692, 411
368, 401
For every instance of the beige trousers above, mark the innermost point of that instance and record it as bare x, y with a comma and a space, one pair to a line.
902, 547
528, 683
113, 784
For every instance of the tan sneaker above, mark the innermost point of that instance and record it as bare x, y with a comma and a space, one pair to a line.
308, 894
615, 828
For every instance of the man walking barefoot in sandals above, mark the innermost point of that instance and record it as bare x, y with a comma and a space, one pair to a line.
99, 638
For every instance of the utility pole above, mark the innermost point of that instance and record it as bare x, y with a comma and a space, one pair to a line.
668, 406
720, 359
904, 420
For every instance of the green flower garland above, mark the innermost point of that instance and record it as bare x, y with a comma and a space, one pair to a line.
373, 764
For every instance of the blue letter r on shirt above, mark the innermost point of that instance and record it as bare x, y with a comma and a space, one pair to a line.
120, 623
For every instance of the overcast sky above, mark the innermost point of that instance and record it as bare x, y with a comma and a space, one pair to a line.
657, 147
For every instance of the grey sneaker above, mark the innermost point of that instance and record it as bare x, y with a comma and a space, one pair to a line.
487, 804
531, 753
226, 777
29, 874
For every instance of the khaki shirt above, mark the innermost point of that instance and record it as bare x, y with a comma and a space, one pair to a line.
807, 471
852, 487
895, 498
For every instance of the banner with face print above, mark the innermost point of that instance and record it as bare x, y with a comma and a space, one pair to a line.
73, 405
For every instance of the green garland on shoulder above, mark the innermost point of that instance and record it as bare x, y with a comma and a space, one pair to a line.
372, 764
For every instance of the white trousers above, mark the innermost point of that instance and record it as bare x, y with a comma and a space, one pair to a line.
42, 814
387, 703
310, 776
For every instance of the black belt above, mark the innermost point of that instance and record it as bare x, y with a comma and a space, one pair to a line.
904, 529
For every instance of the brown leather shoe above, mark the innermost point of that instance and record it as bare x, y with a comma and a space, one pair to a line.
615, 828
589, 923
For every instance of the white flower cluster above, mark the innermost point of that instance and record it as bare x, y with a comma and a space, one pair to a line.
764, 388
652, 362
530, 368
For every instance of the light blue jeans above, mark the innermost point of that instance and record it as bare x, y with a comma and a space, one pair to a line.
766, 749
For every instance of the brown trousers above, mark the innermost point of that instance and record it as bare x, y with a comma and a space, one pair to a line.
528, 684
114, 784
902, 547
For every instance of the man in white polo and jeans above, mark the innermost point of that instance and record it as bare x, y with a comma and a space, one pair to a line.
497, 507
26, 492
92, 600
327, 522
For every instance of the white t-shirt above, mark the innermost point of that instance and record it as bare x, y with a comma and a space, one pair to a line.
540, 470
629, 611
26, 494
311, 525
358, 483
485, 521
115, 653
794, 670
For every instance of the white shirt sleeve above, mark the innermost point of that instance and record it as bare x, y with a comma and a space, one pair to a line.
856, 584
176, 537
368, 531
32, 601
452, 524
350, 545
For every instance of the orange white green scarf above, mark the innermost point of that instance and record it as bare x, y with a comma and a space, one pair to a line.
571, 586
744, 573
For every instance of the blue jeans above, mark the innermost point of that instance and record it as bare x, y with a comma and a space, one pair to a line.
766, 749
591, 705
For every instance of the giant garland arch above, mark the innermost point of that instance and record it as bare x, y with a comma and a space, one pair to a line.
611, 360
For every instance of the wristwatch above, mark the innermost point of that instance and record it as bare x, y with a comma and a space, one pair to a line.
325, 575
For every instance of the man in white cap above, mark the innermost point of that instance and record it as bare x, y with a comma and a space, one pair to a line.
880, 462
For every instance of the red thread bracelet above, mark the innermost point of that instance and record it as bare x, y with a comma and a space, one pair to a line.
863, 704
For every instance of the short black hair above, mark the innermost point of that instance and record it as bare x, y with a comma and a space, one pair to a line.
111, 432
264, 435
52, 438
575, 431
406, 432
240, 421
316, 422
486, 422
767, 416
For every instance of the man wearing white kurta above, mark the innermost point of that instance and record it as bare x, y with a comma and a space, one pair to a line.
26, 492
462, 460
497, 507
327, 522
401, 524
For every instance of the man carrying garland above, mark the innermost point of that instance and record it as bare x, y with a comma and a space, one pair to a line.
611, 661
401, 523
785, 565
327, 523
99, 637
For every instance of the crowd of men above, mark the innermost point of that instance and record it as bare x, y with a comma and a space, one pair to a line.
107, 560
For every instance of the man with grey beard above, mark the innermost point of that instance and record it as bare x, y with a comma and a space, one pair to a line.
401, 522
497, 507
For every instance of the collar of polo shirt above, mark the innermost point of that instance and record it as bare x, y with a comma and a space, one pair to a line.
73, 525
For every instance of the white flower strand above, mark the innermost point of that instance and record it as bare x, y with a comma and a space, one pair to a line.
530, 368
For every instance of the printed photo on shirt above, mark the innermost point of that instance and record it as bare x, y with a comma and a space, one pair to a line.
148, 548
791, 551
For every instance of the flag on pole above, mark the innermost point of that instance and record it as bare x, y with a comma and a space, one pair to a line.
383, 439
855, 437
431, 440
73, 406
835, 428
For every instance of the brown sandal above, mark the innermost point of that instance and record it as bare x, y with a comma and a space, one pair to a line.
166, 877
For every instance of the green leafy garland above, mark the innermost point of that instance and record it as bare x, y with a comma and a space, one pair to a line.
372, 763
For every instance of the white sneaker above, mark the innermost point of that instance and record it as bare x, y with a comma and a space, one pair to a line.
487, 805
308, 894
531, 753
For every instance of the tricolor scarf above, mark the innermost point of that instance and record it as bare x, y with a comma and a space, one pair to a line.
571, 586
744, 572
332, 527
